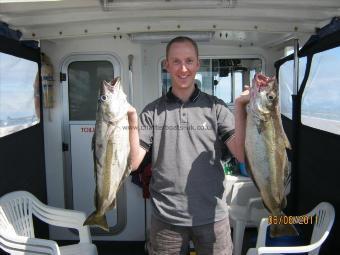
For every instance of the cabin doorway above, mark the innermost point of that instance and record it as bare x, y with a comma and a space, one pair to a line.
80, 77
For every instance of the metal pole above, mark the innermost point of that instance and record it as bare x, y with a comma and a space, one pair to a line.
296, 118
130, 57
296, 68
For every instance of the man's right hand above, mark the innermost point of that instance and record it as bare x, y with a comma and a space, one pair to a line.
137, 153
132, 115
244, 98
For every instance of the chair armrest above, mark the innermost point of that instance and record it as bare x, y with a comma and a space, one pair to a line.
261, 238
33, 245
237, 187
287, 249
320, 229
255, 210
263, 249
63, 218
252, 251
252, 202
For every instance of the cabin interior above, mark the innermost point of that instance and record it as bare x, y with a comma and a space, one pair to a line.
87, 41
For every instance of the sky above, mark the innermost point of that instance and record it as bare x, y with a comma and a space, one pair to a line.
17, 77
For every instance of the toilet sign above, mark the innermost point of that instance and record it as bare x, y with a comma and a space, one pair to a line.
87, 129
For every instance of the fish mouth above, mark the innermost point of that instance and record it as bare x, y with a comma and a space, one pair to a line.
261, 81
115, 81
112, 84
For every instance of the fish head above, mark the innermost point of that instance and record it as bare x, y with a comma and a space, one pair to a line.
112, 99
263, 94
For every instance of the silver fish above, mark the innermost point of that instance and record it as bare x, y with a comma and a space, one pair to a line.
111, 149
265, 148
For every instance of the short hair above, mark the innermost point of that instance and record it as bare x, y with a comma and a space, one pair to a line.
181, 39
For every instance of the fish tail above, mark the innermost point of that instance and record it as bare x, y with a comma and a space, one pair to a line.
98, 220
277, 230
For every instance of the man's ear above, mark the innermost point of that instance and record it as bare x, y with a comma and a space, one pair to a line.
198, 63
165, 64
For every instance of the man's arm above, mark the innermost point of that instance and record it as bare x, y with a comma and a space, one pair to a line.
137, 153
237, 143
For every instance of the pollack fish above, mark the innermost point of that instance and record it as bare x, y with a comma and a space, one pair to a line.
111, 149
265, 149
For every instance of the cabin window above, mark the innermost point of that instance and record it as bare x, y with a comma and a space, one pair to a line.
84, 78
19, 94
321, 99
286, 74
288, 50
222, 77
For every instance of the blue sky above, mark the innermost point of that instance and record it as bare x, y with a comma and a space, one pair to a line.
17, 77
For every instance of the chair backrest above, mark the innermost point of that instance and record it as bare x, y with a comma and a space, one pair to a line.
323, 217
246, 196
16, 214
242, 192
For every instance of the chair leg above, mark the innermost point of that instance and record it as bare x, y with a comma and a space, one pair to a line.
238, 233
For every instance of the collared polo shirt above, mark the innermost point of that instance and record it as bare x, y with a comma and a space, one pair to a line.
187, 183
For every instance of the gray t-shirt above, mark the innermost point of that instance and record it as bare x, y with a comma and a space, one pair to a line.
187, 183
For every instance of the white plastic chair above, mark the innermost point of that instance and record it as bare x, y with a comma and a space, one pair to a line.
245, 210
323, 223
17, 230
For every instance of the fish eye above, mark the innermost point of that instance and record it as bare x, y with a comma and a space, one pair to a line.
270, 97
103, 98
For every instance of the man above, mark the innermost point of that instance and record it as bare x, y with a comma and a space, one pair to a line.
186, 128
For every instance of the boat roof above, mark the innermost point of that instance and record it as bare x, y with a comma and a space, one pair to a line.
261, 23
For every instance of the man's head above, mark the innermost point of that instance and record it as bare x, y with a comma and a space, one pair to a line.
181, 39
182, 62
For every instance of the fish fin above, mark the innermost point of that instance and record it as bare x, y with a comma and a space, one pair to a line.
98, 220
260, 126
128, 168
113, 204
94, 159
285, 138
93, 142
286, 141
283, 202
250, 170
277, 230
287, 178
279, 127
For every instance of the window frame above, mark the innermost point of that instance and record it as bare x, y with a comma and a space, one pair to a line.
246, 56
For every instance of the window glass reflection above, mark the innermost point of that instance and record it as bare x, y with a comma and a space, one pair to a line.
19, 94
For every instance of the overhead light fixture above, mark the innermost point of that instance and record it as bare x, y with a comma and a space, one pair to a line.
26, 1
204, 36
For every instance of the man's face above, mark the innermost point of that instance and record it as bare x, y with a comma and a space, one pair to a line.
182, 64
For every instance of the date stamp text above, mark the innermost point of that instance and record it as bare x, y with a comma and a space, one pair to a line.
285, 219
